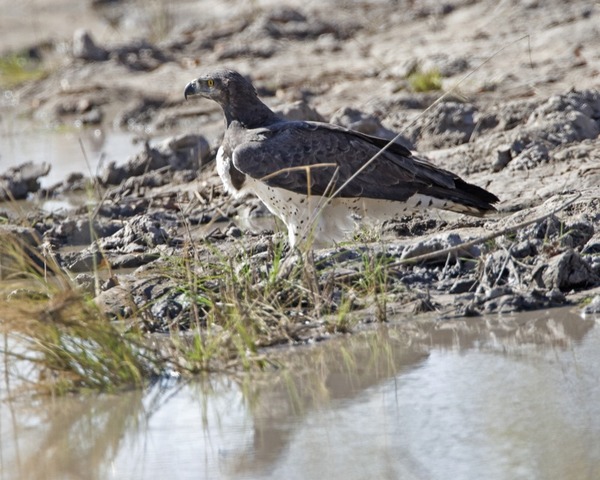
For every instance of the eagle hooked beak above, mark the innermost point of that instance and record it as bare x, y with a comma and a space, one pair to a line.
191, 89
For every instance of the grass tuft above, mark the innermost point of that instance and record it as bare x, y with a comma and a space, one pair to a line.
16, 69
425, 81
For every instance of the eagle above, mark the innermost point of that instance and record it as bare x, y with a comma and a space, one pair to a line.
321, 179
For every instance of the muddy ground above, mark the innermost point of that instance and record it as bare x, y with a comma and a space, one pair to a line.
520, 117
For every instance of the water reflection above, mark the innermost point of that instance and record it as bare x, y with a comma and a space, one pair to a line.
67, 151
502, 397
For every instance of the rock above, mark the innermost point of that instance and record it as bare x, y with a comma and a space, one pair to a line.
497, 292
515, 302
257, 49
568, 271
447, 124
233, 232
17, 182
299, 110
548, 229
86, 282
291, 24
86, 260
139, 112
116, 302
592, 246
93, 117
142, 230
567, 118
513, 113
530, 157
594, 264
444, 64
586, 102
437, 243
85, 48
361, 122
526, 248
498, 270
126, 207
503, 157
593, 307
556, 296
463, 285
147, 292
140, 55
73, 183
403, 69
133, 260
576, 234
183, 152
14, 242
166, 309
80, 232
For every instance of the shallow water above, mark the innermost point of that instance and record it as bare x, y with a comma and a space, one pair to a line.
495, 398
74, 150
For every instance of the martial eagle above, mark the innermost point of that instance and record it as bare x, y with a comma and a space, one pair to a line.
295, 167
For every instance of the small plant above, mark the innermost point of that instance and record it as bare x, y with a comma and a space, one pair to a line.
425, 81
16, 69
377, 275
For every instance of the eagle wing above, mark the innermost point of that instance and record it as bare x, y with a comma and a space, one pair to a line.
304, 157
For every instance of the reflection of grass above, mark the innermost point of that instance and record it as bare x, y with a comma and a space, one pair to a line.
16, 69
57, 334
425, 81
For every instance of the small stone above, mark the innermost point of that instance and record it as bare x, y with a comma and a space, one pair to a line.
85, 48
568, 271
233, 232
556, 295
593, 307
463, 285
503, 157
592, 246
299, 110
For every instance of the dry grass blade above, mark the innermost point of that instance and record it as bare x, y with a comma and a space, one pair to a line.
306, 168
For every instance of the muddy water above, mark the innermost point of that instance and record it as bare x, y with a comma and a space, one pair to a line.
67, 151
495, 398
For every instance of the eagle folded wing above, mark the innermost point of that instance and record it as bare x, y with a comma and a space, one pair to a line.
304, 157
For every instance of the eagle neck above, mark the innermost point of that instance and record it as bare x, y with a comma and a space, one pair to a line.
250, 113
